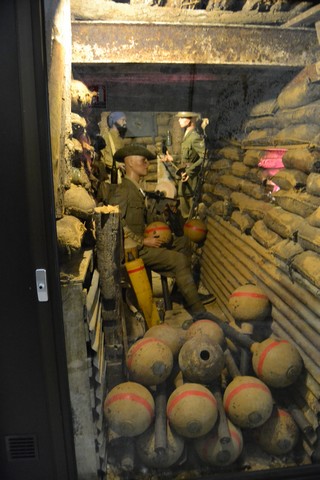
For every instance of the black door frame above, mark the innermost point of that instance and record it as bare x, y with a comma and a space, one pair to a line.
35, 415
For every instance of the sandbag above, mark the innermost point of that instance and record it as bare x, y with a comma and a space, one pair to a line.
251, 158
230, 181
295, 134
313, 184
303, 159
208, 198
308, 265
222, 191
314, 218
81, 96
305, 114
266, 107
316, 141
239, 169
208, 188
289, 178
298, 93
309, 237
256, 209
222, 164
286, 250
255, 175
202, 211
211, 177
254, 190
241, 221
259, 123
231, 152
70, 233
217, 208
263, 235
300, 203
285, 224
261, 137
78, 202
79, 177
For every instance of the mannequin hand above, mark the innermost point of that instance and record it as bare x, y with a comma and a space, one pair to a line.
168, 157
184, 177
152, 242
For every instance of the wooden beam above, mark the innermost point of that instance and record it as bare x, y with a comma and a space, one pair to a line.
318, 30
307, 18
134, 42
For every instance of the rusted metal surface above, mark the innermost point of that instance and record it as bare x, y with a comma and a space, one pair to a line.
117, 42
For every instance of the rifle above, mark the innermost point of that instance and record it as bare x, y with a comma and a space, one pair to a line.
175, 172
162, 205
198, 188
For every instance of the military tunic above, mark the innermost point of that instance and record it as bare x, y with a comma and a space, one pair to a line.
174, 261
113, 143
192, 156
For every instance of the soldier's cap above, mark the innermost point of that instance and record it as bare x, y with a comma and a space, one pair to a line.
187, 114
133, 149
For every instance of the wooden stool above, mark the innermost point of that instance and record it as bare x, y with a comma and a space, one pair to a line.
164, 287
165, 292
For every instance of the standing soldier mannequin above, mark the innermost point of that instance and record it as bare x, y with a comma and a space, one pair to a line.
114, 138
191, 157
113, 132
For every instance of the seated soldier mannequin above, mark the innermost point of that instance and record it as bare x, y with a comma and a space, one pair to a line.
134, 217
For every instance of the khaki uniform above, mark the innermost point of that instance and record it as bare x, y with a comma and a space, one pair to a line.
113, 143
192, 156
174, 261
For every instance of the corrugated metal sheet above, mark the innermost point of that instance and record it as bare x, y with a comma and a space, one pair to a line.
231, 259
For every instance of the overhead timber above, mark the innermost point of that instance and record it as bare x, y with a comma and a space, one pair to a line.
114, 41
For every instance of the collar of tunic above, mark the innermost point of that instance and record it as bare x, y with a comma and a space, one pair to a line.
137, 185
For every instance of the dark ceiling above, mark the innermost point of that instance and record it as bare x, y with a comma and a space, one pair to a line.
167, 87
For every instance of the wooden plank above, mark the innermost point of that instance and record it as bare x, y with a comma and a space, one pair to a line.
94, 317
309, 17
93, 294
318, 30
101, 356
98, 329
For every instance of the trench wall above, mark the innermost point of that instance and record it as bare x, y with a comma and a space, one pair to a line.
263, 225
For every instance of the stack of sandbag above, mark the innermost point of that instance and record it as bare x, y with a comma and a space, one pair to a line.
233, 186
279, 207
290, 119
299, 109
76, 228
261, 126
219, 182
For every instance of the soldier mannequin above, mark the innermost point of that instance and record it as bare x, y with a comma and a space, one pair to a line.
192, 156
114, 137
134, 217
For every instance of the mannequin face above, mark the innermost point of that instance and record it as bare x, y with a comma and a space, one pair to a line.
184, 122
136, 166
122, 121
